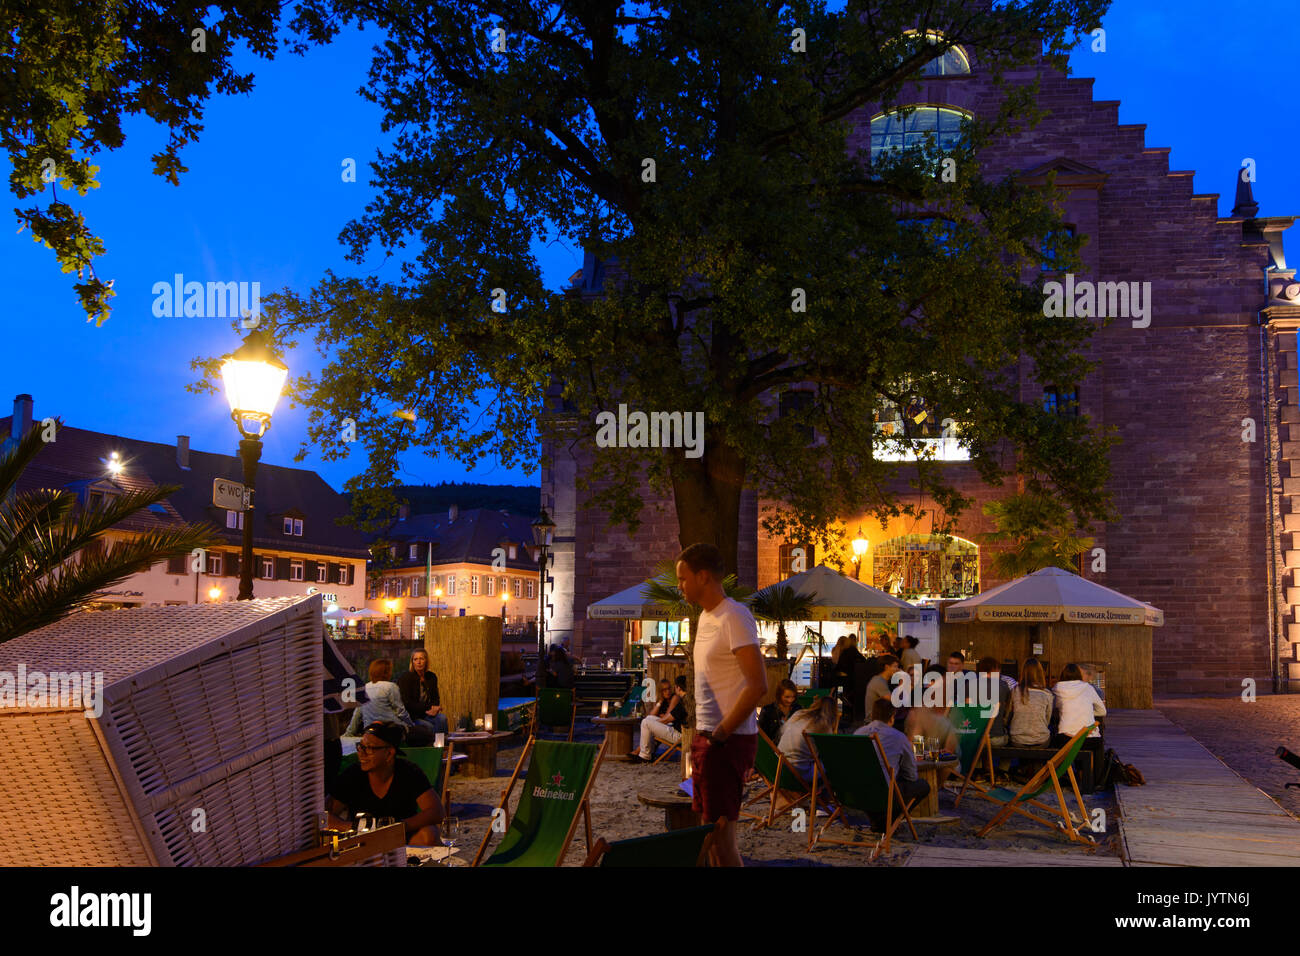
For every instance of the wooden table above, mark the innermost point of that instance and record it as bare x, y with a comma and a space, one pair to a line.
927, 809
619, 733
481, 749
678, 814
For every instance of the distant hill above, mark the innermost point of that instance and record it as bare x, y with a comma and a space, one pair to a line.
430, 499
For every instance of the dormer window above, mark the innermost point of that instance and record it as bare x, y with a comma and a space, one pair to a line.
414, 552
514, 551
293, 526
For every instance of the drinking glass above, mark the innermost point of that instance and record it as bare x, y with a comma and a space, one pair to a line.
932, 746
450, 834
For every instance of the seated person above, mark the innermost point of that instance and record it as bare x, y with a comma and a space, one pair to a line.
381, 784
664, 722
559, 668
384, 705
879, 687
931, 722
898, 751
817, 719
956, 662
774, 715
1031, 719
419, 687
998, 735
910, 657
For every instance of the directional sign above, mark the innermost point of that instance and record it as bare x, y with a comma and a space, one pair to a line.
228, 494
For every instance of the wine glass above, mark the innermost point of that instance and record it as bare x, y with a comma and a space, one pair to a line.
450, 834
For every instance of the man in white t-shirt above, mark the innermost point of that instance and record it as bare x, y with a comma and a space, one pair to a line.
730, 680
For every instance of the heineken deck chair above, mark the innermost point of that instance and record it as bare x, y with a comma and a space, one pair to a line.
972, 743
556, 707
853, 768
555, 791
771, 765
1049, 776
688, 847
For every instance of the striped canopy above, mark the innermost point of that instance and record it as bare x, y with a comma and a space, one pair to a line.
1054, 594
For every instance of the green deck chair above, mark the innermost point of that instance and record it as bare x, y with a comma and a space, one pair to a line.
771, 765
556, 707
972, 743
555, 792
688, 847
805, 700
852, 767
1049, 776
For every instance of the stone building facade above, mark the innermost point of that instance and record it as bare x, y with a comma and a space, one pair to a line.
1202, 393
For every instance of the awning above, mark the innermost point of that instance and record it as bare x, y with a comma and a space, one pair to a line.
630, 604
836, 597
1054, 594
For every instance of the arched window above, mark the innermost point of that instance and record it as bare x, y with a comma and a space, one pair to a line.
895, 131
927, 566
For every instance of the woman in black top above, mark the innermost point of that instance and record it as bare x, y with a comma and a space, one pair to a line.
852, 675
773, 717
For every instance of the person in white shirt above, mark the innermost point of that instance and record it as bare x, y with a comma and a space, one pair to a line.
1077, 702
730, 680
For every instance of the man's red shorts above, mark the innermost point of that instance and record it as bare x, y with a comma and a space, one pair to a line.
718, 774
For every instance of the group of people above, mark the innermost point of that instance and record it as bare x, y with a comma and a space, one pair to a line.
412, 702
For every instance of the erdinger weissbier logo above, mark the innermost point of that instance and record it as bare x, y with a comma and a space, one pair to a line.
559, 793
945, 690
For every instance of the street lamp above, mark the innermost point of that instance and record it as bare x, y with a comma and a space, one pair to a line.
252, 377
392, 613
504, 599
437, 592
860, 545
214, 593
543, 537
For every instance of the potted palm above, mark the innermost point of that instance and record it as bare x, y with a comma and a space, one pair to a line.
780, 605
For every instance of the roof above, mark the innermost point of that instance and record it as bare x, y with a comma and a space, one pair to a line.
79, 456
469, 539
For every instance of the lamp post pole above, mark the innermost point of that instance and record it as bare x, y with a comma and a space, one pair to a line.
543, 535
250, 452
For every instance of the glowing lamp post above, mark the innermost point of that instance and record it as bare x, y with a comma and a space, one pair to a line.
860, 545
253, 379
543, 537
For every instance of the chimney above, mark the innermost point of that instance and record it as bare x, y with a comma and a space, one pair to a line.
22, 422
451, 513
183, 452
403, 512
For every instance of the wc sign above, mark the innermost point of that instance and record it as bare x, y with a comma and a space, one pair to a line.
331, 598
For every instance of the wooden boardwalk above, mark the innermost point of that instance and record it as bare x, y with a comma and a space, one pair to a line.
1194, 810
947, 856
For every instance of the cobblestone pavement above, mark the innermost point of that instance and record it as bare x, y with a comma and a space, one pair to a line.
1246, 736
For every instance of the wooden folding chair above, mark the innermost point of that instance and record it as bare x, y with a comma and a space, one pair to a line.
854, 770
679, 848
779, 777
972, 744
1048, 776
543, 824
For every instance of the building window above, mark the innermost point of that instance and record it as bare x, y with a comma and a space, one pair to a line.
214, 562
235, 520
451, 585
1051, 248
94, 500
517, 586
288, 526
295, 570
345, 576
893, 130
268, 567
916, 430
514, 551
178, 565
322, 573
414, 552
532, 589
795, 559
1059, 402
417, 587
297, 527
473, 584
953, 62
491, 583
501, 583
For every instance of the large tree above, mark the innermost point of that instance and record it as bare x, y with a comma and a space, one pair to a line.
704, 147
72, 70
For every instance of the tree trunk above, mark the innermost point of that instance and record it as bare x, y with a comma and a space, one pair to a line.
706, 493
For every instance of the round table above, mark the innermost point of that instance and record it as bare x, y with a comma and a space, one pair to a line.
481, 749
678, 814
927, 809
619, 736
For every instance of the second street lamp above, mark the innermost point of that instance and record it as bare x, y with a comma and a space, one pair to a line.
860, 545
253, 378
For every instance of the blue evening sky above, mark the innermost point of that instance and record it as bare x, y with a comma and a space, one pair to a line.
264, 200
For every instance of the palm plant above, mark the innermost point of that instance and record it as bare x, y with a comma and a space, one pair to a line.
781, 604
662, 591
1038, 532
53, 554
